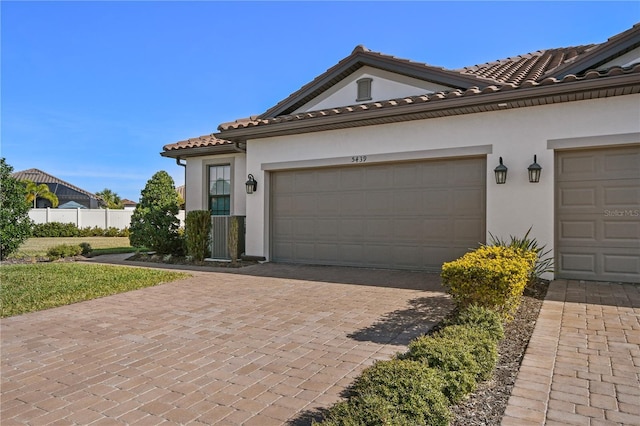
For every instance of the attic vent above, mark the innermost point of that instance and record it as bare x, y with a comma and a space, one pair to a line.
364, 89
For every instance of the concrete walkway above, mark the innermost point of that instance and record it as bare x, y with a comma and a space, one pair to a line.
582, 366
264, 345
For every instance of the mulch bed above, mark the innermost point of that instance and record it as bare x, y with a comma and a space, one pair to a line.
487, 404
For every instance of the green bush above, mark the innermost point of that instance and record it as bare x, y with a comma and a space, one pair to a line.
491, 276
57, 229
63, 250
86, 248
197, 233
479, 343
480, 317
154, 223
368, 409
15, 224
407, 391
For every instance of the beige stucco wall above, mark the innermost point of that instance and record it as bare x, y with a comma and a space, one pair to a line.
514, 134
197, 175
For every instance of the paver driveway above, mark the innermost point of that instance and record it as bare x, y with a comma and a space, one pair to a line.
268, 345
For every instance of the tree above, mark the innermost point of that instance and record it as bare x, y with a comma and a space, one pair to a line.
35, 191
110, 199
15, 225
154, 223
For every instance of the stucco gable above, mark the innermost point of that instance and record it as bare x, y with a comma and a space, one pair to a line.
363, 57
384, 85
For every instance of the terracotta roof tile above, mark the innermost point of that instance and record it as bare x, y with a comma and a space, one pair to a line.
531, 66
199, 142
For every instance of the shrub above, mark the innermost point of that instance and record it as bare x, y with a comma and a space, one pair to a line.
57, 229
154, 223
482, 347
15, 224
480, 317
368, 409
63, 250
197, 234
491, 276
413, 389
543, 263
86, 248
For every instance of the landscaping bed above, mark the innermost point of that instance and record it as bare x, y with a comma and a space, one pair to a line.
487, 404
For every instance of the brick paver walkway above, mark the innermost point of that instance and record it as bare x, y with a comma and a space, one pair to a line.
217, 348
582, 366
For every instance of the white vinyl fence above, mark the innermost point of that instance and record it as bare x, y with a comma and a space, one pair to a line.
88, 218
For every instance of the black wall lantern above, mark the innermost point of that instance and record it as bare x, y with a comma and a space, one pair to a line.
534, 171
501, 173
252, 185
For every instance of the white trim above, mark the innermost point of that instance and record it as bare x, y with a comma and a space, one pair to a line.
594, 141
466, 151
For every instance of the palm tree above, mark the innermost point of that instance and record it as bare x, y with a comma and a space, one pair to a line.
110, 199
35, 191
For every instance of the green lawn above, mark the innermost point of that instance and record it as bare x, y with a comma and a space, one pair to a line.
37, 247
34, 287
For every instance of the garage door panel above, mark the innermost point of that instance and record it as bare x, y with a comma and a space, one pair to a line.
623, 231
621, 264
408, 215
621, 194
468, 230
467, 201
437, 229
577, 230
598, 214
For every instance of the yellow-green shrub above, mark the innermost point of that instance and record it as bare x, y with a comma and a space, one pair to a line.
491, 276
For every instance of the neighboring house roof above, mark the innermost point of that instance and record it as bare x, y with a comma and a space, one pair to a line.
38, 176
538, 78
129, 203
181, 191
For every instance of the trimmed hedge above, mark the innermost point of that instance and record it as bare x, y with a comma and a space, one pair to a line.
63, 250
395, 392
57, 229
491, 276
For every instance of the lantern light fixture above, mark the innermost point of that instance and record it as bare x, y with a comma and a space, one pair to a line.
534, 171
501, 173
251, 184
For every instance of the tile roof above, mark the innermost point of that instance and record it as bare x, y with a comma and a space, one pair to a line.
532, 66
199, 142
38, 176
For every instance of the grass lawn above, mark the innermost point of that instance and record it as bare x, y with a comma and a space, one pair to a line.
37, 247
34, 287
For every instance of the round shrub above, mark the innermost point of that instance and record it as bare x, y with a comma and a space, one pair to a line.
459, 366
63, 250
482, 318
479, 343
414, 389
369, 409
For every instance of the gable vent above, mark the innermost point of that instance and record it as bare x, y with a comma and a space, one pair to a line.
364, 89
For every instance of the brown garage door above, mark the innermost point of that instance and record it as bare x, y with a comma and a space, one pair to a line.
406, 215
598, 214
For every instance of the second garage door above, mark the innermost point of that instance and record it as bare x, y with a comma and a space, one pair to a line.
413, 215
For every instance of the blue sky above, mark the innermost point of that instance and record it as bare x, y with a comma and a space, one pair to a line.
91, 91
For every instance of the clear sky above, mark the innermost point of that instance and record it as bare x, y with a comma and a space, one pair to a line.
91, 91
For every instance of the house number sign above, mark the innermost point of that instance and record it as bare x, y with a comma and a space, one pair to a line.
359, 159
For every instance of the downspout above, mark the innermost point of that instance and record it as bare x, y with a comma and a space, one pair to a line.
240, 147
185, 179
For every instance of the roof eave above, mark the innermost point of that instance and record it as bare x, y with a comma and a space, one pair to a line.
200, 151
516, 98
